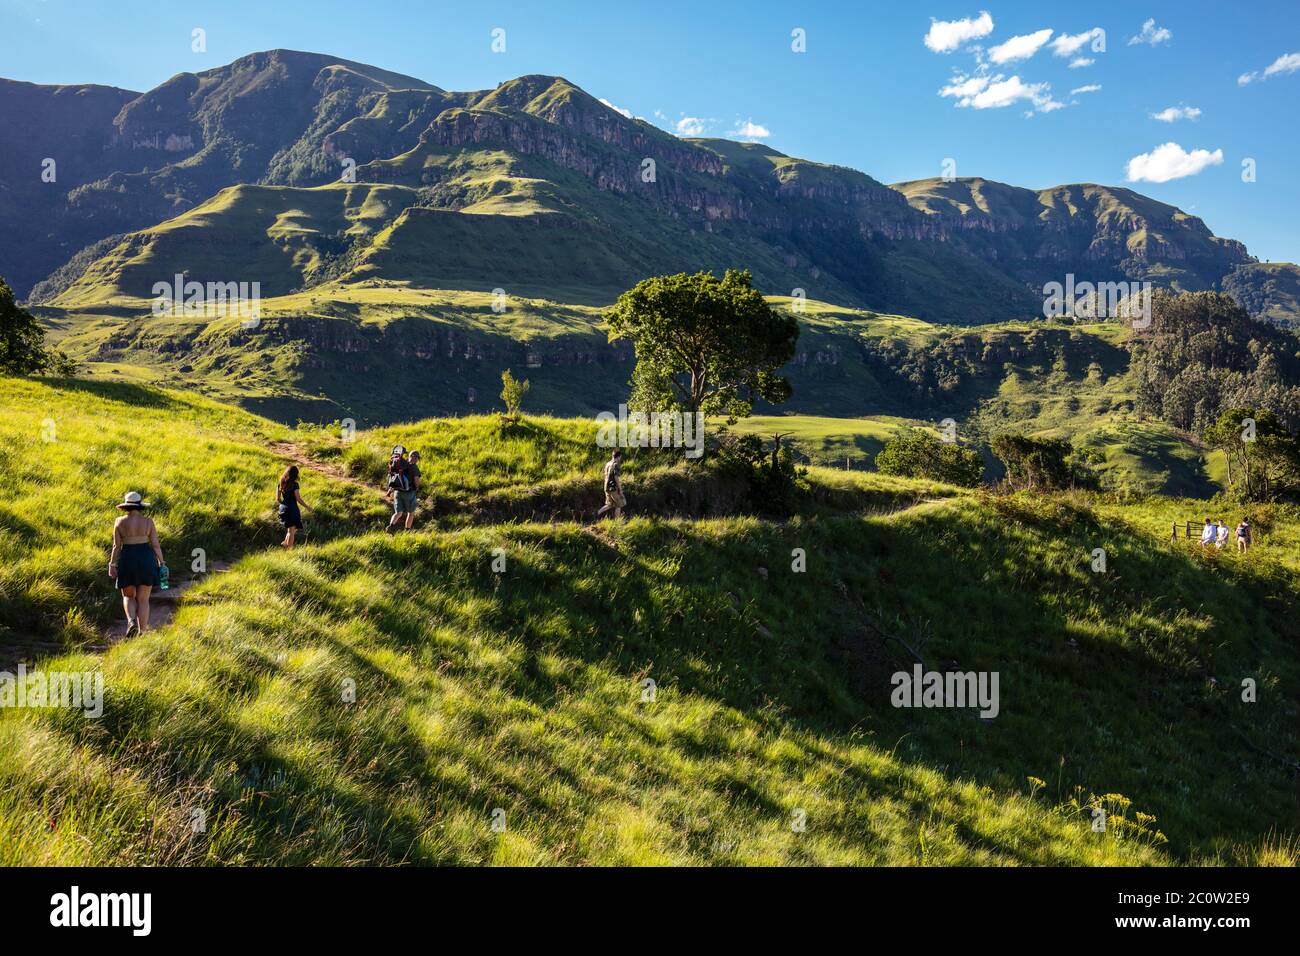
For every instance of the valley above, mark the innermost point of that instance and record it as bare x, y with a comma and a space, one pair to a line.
514, 682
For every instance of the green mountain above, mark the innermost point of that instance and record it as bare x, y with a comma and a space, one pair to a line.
1268, 290
538, 152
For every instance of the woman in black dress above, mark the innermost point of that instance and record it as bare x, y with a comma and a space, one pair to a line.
136, 562
288, 502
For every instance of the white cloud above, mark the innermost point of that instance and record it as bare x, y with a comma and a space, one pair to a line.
750, 130
965, 86
986, 93
617, 109
1171, 161
946, 36
1286, 63
1174, 113
1079, 61
1068, 44
1151, 34
691, 126
1019, 48
1090, 88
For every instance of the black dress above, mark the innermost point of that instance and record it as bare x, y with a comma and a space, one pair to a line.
290, 516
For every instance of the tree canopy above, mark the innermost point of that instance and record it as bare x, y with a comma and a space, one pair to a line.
1263, 457
22, 341
1204, 353
914, 453
704, 344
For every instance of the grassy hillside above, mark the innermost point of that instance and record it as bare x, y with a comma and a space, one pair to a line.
523, 689
826, 441
70, 450
376, 351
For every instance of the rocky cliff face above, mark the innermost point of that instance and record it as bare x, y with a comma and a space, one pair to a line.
302, 119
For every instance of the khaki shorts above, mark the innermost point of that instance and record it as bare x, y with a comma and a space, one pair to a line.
615, 499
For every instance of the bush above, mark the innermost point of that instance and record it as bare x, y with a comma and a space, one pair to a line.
1043, 464
775, 482
913, 453
512, 393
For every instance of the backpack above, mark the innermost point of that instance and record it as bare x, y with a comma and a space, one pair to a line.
399, 479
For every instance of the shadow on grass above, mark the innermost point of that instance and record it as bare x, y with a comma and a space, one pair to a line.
1107, 678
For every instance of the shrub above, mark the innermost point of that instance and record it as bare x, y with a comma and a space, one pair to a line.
913, 453
1043, 464
512, 393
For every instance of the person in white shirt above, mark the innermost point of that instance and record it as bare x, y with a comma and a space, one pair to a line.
1223, 534
1209, 532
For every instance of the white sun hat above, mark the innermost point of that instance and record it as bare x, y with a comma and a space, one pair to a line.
132, 500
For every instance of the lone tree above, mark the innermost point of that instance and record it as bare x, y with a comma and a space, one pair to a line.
703, 344
512, 394
22, 342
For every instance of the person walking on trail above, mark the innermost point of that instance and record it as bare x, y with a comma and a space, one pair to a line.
401, 489
615, 500
136, 564
288, 502
1223, 534
413, 469
1243, 536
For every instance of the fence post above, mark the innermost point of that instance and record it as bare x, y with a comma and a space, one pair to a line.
1175, 532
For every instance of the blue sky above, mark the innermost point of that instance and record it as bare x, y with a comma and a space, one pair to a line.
867, 92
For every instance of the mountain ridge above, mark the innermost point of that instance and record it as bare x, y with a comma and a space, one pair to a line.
295, 119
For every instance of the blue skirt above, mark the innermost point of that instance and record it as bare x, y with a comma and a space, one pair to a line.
290, 516
137, 565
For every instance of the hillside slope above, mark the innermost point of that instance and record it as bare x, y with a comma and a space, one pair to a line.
518, 695
539, 146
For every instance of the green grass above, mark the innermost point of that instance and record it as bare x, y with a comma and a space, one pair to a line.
69, 451
827, 441
522, 689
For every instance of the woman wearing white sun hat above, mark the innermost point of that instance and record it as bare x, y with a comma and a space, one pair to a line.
136, 563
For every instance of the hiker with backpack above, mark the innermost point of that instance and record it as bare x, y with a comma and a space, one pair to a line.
413, 469
1243, 536
288, 503
136, 564
401, 486
615, 500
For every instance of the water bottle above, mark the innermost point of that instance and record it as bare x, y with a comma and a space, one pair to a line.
162, 574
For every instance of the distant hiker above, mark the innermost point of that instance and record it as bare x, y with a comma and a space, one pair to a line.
413, 469
402, 488
615, 500
1223, 534
136, 564
1209, 532
288, 500
1243, 536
